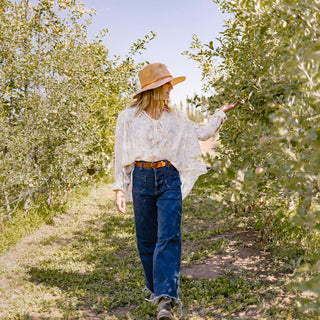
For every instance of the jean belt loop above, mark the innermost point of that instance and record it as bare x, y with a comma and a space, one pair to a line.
141, 165
167, 166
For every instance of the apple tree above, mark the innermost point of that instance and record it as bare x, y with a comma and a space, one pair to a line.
60, 93
268, 59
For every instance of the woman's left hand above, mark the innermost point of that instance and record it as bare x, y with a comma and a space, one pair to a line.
120, 201
228, 107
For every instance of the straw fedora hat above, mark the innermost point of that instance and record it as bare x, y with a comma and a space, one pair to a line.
155, 75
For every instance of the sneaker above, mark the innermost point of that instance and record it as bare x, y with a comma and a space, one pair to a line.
151, 299
165, 309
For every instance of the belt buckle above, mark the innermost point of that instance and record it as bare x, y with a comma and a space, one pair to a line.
153, 165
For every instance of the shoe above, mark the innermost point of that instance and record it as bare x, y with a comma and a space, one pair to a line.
165, 309
151, 298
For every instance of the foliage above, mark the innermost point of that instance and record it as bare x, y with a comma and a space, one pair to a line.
268, 59
195, 114
60, 94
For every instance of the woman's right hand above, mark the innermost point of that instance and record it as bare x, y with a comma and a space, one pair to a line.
229, 107
120, 201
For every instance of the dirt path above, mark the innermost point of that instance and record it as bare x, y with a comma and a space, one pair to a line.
208, 146
17, 267
39, 246
85, 266
27, 248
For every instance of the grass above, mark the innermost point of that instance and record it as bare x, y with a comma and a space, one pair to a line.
24, 223
85, 266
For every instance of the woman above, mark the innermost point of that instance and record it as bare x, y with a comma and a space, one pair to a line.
157, 148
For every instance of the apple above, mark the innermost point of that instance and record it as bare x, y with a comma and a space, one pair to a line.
259, 171
263, 140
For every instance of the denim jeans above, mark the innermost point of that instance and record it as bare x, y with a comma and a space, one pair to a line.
157, 203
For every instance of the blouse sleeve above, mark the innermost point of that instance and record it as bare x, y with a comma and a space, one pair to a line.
214, 124
122, 173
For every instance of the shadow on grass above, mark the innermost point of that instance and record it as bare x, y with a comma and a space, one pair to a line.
94, 272
97, 271
97, 268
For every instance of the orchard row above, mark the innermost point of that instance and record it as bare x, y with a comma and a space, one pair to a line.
60, 94
268, 59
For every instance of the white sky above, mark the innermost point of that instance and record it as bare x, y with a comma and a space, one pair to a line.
174, 21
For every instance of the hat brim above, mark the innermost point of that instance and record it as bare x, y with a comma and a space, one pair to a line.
160, 83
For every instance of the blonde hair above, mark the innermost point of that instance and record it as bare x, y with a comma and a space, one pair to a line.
151, 98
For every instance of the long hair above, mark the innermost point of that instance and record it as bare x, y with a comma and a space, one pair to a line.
151, 98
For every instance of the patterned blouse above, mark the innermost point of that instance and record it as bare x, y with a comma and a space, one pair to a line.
173, 137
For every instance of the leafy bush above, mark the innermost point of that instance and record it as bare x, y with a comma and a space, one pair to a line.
268, 59
60, 95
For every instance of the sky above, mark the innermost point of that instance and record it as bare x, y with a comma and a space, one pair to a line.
174, 22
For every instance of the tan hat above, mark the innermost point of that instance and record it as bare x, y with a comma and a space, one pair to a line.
155, 75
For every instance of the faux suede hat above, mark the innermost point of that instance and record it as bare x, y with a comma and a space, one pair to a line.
155, 75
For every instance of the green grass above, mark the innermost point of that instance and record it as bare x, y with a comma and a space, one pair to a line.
87, 267
24, 223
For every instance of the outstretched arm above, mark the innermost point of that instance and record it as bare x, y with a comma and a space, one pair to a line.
214, 124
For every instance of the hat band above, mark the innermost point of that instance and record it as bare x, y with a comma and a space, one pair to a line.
147, 84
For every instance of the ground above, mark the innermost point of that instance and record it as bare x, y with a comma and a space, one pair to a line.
85, 266
208, 146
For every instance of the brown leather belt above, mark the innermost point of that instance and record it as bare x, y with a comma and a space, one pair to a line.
155, 165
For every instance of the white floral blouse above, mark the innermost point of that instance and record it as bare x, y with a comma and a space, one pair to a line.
173, 137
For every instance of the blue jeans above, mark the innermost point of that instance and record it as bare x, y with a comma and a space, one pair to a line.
157, 203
